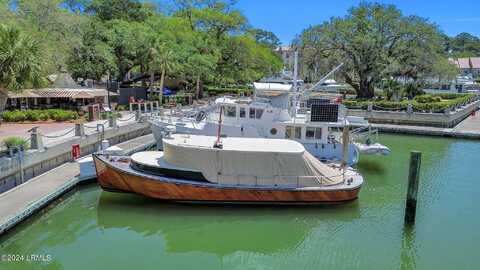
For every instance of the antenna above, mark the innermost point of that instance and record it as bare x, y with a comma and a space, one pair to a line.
295, 71
218, 142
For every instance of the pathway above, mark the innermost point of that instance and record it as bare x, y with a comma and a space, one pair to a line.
23, 200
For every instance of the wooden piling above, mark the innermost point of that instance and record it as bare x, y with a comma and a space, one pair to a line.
413, 179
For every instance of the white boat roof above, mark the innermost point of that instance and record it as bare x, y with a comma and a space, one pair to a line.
238, 143
272, 86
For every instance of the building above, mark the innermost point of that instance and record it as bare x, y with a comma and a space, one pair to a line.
288, 55
63, 93
468, 66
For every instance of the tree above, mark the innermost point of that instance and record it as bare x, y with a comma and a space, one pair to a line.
91, 61
266, 38
20, 62
130, 43
375, 41
56, 29
161, 59
464, 45
129, 10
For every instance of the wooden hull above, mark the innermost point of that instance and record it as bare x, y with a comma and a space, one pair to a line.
112, 178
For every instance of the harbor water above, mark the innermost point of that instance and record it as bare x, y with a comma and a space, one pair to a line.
92, 229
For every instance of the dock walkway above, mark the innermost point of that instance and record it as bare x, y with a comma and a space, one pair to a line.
22, 201
467, 129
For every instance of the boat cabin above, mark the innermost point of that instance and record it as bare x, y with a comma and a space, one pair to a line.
318, 124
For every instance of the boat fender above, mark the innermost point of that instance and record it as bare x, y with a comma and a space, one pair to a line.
323, 146
368, 141
200, 116
316, 145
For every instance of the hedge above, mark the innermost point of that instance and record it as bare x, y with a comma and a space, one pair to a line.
36, 115
423, 103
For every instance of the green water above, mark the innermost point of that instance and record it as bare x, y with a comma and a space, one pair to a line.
91, 229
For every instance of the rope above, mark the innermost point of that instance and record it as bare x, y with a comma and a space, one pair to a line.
58, 136
389, 109
125, 120
104, 123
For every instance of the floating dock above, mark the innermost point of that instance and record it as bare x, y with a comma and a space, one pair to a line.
22, 201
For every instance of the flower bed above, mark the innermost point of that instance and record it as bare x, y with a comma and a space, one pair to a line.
39, 115
422, 103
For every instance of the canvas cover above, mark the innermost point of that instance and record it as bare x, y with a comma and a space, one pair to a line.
253, 161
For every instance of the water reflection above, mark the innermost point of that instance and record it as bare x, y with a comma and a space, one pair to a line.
218, 229
408, 251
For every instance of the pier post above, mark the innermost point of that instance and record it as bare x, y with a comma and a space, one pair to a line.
112, 121
413, 179
137, 116
79, 130
409, 108
35, 139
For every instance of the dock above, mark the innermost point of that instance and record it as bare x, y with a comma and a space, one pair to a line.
467, 129
22, 201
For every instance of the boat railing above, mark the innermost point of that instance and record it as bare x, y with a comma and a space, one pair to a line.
296, 181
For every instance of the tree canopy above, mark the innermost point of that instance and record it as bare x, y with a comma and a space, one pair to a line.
135, 39
375, 42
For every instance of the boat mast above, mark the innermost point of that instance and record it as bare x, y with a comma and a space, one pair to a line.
295, 98
295, 71
345, 144
218, 142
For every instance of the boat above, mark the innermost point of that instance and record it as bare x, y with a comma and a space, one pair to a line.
318, 129
209, 169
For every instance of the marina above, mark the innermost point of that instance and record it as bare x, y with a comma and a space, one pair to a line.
145, 134
140, 232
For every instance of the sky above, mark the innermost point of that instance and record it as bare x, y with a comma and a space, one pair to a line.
288, 18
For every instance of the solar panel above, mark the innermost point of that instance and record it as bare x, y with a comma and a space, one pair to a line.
324, 113
316, 101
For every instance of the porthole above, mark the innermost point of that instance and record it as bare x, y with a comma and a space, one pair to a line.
273, 131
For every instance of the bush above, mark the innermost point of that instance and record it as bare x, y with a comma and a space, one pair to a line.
423, 103
35, 115
10, 142
427, 99
14, 116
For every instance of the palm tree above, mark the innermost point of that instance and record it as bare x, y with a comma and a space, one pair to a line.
20, 62
161, 60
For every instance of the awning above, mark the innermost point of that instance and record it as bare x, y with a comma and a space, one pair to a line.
61, 93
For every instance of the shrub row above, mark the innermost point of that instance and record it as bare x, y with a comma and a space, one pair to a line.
423, 103
36, 115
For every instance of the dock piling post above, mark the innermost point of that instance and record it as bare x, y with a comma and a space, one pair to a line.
35, 139
112, 121
79, 130
137, 116
413, 179
369, 107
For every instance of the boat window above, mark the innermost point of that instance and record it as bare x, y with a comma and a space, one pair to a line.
318, 133
252, 113
288, 132
230, 111
310, 133
298, 132
273, 131
258, 113
242, 112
